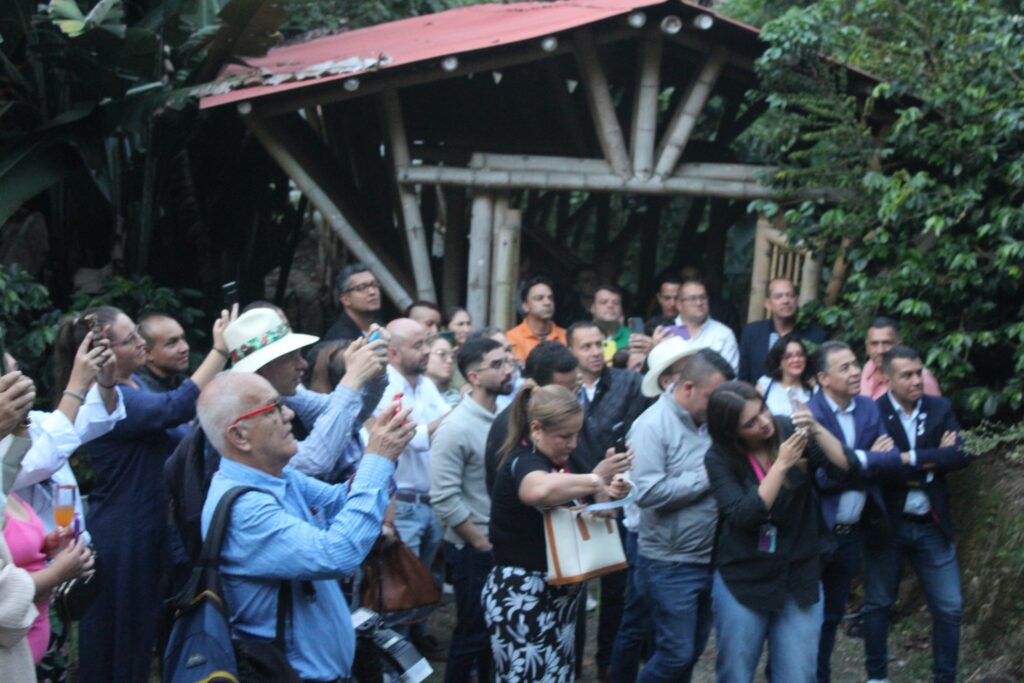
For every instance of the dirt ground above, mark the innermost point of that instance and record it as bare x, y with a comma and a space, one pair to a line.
909, 648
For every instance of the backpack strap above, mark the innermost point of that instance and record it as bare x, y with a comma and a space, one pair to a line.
209, 556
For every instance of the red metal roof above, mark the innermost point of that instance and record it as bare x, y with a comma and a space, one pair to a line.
407, 41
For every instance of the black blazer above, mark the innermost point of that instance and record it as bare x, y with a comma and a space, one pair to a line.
754, 346
935, 418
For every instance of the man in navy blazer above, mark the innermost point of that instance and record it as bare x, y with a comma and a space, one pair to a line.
925, 429
854, 510
758, 337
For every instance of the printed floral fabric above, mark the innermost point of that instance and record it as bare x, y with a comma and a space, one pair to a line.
532, 626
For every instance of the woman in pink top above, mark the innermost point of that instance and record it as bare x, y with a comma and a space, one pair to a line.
30, 548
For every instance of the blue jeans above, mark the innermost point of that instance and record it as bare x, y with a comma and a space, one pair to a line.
679, 597
792, 636
471, 645
836, 578
419, 529
934, 559
635, 629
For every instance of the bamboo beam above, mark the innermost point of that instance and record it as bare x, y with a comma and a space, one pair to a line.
761, 271
478, 284
527, 162
415, 233
599, 182
645, 104
684, 119
272, 141
505, 272
599, 99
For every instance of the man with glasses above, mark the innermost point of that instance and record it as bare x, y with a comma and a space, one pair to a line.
359, 296
458, 493
297, 529
694, 323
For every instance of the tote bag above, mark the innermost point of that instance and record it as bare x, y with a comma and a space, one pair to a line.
580, 546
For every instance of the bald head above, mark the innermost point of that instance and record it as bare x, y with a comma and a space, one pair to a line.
229, 395
408, 351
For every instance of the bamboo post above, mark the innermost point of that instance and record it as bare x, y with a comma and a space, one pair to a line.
507, 229
684, 119
478, 284
599, 99
645, 104
835, 283
760, 273
415, 234
809, 279
330, 211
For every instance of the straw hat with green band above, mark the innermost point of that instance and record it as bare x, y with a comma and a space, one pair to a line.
258, 337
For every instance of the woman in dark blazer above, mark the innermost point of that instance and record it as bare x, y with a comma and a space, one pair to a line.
771, 536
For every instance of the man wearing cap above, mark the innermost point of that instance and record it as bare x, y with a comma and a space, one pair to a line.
665, 362
259, 341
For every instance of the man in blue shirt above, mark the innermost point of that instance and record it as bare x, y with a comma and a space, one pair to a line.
300, 529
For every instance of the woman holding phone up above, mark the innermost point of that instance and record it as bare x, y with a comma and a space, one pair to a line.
771, 537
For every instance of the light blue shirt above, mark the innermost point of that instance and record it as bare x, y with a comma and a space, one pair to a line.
917, 502
331, 420
303, 530
851, 503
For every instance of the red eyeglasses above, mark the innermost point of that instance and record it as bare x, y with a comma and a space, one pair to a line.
277, 404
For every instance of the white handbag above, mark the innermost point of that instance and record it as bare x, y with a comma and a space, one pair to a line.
580, 546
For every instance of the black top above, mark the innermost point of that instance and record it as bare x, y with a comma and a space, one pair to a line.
343, 328
581, 460
157, 384
617, 402
760, 580
517, 530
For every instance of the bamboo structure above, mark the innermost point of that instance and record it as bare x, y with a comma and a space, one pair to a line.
505, 271
329, 209
414, 231
775, 258
688, 110
599, 99
478, 285
645, 104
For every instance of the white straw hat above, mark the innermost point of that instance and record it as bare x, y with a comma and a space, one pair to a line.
258, 337
661, 358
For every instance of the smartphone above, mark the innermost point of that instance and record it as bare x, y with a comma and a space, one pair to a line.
230, 291
635, 325
374, 336
398, 402
620, 445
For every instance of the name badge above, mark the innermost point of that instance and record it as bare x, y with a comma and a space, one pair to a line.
767, 537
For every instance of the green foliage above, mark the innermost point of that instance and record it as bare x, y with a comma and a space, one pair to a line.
28, 319
990, 438
138, 296
920, 175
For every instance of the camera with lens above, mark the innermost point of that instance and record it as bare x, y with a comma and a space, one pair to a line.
393, 648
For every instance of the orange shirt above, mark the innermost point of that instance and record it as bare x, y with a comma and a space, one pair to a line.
523, 340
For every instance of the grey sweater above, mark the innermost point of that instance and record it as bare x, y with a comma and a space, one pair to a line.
678, 514
458, 485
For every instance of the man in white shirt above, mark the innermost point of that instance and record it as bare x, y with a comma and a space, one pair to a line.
415, 520
694, 323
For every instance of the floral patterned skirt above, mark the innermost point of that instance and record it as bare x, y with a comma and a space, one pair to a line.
532, 626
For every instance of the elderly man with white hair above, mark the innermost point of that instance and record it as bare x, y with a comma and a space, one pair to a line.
297, 529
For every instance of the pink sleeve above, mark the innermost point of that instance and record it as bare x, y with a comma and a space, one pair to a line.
931, 385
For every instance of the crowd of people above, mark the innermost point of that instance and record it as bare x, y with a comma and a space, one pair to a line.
763, 476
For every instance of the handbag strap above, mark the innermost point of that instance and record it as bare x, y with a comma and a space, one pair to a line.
615, 504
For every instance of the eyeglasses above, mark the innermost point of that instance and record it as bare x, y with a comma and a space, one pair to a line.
496, 365
365, 287
442, 354
129, 339
277, 404
693, 299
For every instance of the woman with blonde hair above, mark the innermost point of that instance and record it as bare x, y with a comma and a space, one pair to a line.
532, 624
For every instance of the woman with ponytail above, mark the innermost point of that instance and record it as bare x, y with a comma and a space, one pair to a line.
128, 505
771, 537
532, 624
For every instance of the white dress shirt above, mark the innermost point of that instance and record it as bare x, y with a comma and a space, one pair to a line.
917, 500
